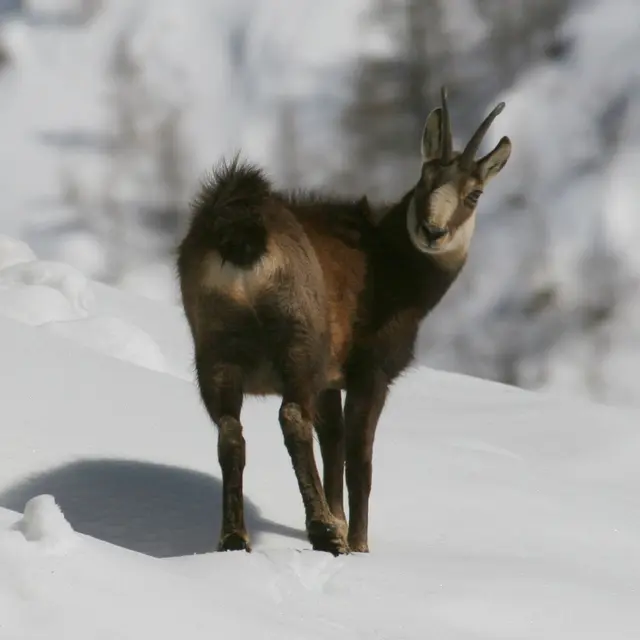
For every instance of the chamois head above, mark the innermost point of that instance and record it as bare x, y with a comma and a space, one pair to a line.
441, 216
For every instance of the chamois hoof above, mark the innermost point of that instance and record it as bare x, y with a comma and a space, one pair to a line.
329, 537
359, 547
234, 542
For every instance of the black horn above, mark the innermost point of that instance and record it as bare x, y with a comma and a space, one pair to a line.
445, 133
473, 145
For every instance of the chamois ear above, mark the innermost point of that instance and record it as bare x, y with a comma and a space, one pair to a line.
490, 165
431, 146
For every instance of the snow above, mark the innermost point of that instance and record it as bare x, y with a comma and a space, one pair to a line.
70, 282
156, 281
39, 292
59, 299
114, 337
44, 523
495, 513
14, 251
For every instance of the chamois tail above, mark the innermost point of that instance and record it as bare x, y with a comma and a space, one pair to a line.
228, 212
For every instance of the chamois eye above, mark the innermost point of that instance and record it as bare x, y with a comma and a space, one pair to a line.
472, 199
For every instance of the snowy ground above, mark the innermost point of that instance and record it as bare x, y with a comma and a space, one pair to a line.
496, 513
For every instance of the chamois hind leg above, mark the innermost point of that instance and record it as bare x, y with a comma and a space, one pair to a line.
326, 533
221, 391
330, 430
297, 357
298, 345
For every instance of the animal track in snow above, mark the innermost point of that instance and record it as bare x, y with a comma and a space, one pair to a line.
311, 570
484, 447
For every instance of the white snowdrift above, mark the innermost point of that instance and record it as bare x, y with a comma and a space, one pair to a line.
495, 513
44, 523
60, 299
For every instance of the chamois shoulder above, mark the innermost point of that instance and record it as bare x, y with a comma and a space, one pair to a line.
349, 219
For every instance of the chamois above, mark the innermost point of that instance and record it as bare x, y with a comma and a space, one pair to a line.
306, 296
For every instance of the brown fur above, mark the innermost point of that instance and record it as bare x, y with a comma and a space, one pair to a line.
304, 296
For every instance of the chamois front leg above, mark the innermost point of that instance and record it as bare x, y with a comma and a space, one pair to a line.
366, 396
330, 430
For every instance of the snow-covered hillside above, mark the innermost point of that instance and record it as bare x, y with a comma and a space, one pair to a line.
496, 513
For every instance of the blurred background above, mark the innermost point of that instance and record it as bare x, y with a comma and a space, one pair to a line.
111, 112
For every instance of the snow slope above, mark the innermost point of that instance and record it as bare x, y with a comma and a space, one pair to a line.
496, 513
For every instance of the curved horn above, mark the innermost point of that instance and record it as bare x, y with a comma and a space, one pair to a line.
445, 132
473, 145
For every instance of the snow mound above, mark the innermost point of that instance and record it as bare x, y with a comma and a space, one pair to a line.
73, 284
35, 305
43, 522
60, 299
82, 250
13, 251
114, 337
156, 281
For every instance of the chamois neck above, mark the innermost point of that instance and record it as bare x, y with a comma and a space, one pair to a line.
408, 277
393, 227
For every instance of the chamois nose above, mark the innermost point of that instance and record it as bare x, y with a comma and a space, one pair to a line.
432, 232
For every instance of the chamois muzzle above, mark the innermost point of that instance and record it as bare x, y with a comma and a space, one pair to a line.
432, 232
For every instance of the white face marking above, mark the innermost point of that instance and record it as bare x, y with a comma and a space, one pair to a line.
443, 204
461, 240
454, 246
